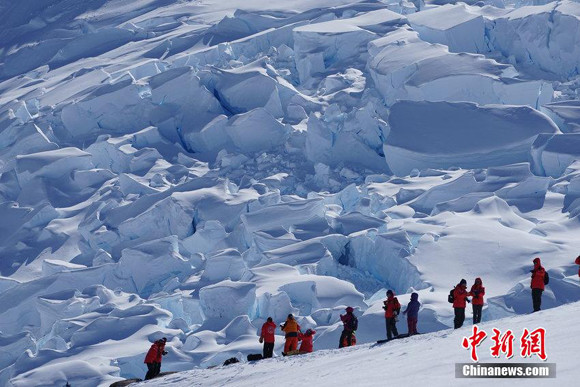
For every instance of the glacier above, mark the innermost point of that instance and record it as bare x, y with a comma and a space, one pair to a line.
186, 169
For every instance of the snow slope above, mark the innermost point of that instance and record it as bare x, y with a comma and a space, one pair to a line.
185, 169
410, 362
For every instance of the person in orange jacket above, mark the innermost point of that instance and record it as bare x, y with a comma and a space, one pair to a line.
267, 336
154, 357
392, 309
307, 337
577, 262
477, 292
537, 283
291, 329
460, 295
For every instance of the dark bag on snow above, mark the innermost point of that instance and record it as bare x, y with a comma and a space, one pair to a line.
231, 360
255, 356
546, 278
450, 297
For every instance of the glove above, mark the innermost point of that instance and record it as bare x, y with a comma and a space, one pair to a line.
467, 299
164, 353
261, 340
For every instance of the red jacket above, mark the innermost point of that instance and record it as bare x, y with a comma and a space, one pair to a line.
160, 350
460, 294
391, 305
538, 274
268, 331
153, 354
306, 338
477, 291
577, 262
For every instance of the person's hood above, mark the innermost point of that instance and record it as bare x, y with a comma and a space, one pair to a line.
478, 280
537, 262
349, 309
414, 296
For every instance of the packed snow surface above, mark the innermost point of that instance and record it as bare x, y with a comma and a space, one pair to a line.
186, 169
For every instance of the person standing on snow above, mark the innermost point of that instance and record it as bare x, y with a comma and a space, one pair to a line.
392, 309
577, 262
412, 312
350, 325
267, 336
306, 344
460, 295
154, 357
477, 291
291, 329
538, 283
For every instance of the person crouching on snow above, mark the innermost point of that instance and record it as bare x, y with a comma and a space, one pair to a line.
307, 337
291, 329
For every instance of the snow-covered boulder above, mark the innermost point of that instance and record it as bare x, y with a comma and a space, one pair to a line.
152, 264
405, 67
545, 37
566, 114
224, 264
552, 154
228, 299
320, 46
451, 25
442, 134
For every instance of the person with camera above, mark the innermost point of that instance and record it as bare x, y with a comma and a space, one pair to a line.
392, 308
154, 357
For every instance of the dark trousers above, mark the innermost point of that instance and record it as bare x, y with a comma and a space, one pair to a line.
412, 325
268, 350
477, 313
345, 335
537, 298
459, 317
391, 328
153, 369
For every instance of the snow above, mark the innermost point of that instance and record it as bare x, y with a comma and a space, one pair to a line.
186, 169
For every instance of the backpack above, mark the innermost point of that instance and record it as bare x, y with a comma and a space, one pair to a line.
353, 323
231, 360
450, 297
254, 356
546, 278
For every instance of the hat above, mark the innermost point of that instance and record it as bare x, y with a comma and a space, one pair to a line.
390, 292
349, 309
463, 282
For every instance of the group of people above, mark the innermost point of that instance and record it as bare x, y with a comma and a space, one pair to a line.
459, 296
293, 335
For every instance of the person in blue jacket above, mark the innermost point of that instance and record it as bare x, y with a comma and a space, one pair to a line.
412, 312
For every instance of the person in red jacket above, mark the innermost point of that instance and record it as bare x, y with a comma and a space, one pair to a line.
307, 337
477, 291
267, 337
392, 309
350, 325
460, 295
577, 262
537, 283
154, 357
